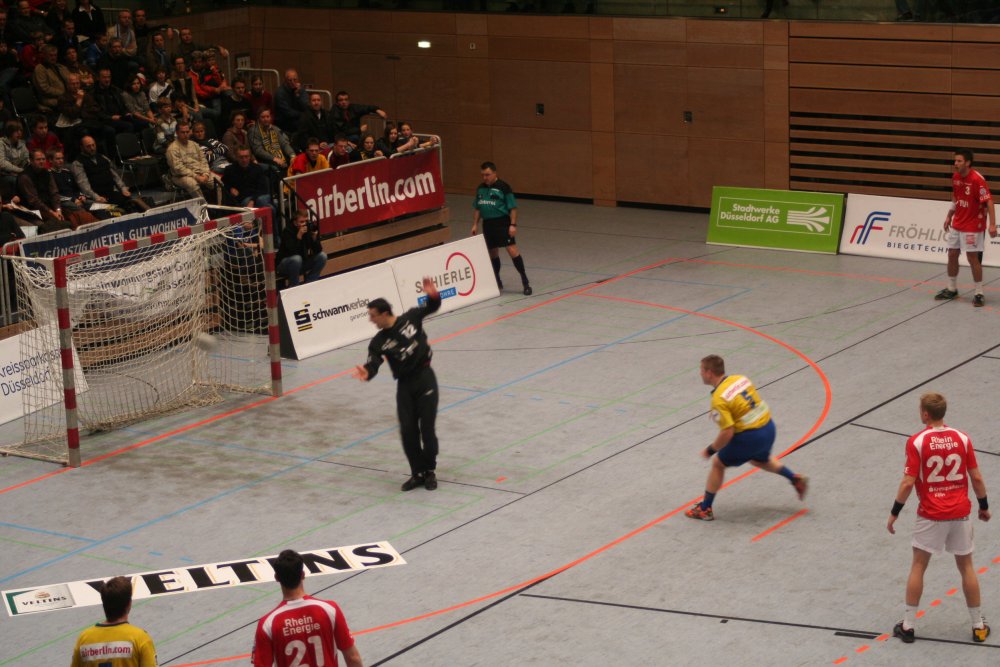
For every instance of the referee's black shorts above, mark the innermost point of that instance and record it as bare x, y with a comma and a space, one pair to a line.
497, 232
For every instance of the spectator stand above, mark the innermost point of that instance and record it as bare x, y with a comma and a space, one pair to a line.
265, 74
385, 238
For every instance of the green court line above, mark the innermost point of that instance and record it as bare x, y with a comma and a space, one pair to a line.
431, 521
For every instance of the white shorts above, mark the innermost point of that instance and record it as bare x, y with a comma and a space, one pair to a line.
966, 241
938, 537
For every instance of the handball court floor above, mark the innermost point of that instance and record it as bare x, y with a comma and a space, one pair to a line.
571, 424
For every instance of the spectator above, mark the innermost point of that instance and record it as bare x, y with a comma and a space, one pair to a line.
412, 141
165, 125
110, 109
9, 68
89, 20
71, 59
69, 192
188, 168
49, 79
187, 45
144, 30
246, 182
367, 150
137, 109
300, 251
24, 24
96, 50
156, 53
124, 31
390, 137
38, 192
235, 99
341, 153
216, 153
116, 596
311, 159
66, 37
41, 139
210, 83
57, 15
347, 117
236, 137
270, 145
290, 101
5, 35
72, 106
183, 85
161, 86
98, 179
259, 98
31, 55
121, 65
10, 231
315, 123
13, 154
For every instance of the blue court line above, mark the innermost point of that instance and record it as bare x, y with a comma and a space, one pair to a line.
42, 531
277, 473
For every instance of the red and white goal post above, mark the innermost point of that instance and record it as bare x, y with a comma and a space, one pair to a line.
152, 325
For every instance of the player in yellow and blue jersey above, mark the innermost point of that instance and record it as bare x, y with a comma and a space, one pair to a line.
746, 433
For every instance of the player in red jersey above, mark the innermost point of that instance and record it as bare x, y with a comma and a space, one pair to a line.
971, 204
302, 631
940, 462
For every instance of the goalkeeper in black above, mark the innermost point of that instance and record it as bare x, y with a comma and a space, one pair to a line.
403, 343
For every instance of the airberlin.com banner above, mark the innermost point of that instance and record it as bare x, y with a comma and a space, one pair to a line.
374, 191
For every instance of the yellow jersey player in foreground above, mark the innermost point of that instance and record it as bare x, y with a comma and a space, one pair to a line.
114, 643
746, 433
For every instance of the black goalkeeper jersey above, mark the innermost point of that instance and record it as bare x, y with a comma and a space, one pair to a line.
404, 344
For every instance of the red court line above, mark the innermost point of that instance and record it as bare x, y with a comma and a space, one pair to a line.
610, 545
314, 383
778, 525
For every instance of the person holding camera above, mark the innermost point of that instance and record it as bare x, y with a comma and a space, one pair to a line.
300, 252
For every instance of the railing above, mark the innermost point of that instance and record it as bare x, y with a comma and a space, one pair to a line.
954, 11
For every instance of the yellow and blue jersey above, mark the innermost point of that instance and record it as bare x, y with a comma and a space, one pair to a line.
735, 403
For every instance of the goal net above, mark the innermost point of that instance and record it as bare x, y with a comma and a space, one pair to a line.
122, 333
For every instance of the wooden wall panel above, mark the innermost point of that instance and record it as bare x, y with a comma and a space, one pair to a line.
517, 85
733, 163
546, 50
543, 161
650, 53
651, 168
650, 99
726, 103
861, 77
867, 52
776, 103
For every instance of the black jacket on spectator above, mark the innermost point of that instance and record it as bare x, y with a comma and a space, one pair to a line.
109, 100
89, 24
183, 89
312, 127
289, 108
38, 191
348, 121
249, 182
20, 28
291, 244
232, 102
61, 42
98, 171
121, 69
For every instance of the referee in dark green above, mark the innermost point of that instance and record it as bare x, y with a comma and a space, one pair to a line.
496, 207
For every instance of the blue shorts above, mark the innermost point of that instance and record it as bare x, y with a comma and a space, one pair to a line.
752, 445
